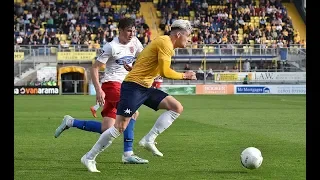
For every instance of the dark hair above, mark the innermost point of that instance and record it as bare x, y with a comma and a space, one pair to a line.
126, 23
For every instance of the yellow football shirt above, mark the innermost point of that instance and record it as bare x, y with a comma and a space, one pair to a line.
154, 60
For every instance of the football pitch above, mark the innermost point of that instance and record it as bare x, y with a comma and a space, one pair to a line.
205, 142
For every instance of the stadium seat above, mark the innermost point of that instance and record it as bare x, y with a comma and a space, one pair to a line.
93, 36
72, 49
43, 24
53, 50
240, 31
63, 37
251, 43
58, 36
211, 50
41, 30
191, 13
158, 14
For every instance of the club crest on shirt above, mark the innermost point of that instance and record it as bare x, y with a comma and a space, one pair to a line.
131, 49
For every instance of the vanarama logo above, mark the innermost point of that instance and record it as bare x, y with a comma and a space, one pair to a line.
21, 90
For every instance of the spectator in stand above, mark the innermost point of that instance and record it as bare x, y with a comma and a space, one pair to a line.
250, 21
186, 67
47, 22
210, 74
246, 66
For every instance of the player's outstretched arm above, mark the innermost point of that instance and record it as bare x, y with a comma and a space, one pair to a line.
94, 72
164, 60
166, 71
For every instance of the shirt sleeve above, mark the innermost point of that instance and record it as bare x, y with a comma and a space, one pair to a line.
105, 53
139, 47
164, 59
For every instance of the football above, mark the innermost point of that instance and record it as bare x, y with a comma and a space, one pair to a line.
251, 158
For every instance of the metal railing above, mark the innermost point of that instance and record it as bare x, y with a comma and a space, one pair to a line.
35, 54
209, 78
205, 49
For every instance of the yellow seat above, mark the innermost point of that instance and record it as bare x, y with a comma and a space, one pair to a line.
72, 49
53, 50
93, 36
108, 4
245, 49
251, 43
268, 42
63, 37
42, 30
240, 30
191, 13
211, 50
42, 24
205, 49
158, 14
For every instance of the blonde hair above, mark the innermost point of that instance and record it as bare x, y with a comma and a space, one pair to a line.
181, 24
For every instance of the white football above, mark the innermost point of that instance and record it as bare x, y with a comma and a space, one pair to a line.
251, 158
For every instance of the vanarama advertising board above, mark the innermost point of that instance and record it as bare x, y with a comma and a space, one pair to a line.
34, 90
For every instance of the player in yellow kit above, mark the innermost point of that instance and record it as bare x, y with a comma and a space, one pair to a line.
136, 90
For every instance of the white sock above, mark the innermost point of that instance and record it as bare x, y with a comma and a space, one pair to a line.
128, 153
103, 142
162, 123
70, 122
96, 107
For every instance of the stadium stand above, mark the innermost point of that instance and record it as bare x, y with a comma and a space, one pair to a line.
227, 32
87, 23
257, 23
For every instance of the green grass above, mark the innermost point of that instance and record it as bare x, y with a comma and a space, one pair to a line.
205, 142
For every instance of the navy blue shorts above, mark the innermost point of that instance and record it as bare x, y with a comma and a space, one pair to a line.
133, 95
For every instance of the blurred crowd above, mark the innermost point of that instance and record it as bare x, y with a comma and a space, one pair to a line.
89, 23
265, 24
43, 82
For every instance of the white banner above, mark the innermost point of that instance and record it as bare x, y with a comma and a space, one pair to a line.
280, 76
47, 73
261, 76
270, 89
